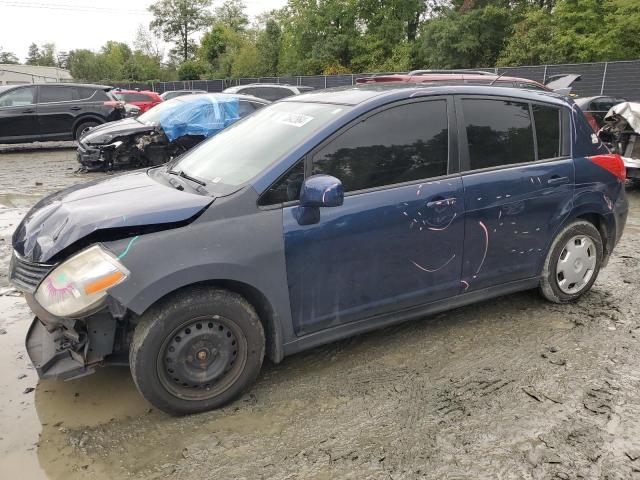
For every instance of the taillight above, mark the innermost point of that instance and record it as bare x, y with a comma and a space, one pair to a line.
114, 104
612, 163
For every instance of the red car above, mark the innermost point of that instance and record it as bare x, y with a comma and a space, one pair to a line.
456, 77
144, 99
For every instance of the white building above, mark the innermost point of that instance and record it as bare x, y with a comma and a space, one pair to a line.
11, 74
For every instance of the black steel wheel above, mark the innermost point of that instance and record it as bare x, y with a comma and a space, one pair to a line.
196, 350
202, 357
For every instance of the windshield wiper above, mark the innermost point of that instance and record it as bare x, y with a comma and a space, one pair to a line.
181, 173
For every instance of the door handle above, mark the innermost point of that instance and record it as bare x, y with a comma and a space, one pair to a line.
557, 180
436, 201
75, 109
29, 110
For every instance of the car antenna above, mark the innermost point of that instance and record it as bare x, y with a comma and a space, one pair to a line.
497, 78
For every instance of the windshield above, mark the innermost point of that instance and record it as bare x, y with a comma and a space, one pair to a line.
243, 150
153, 115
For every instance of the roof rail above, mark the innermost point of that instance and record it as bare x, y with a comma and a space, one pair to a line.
469, 72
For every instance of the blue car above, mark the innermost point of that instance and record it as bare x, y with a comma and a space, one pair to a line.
318, 217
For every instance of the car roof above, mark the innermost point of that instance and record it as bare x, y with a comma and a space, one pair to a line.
584, 100
123, 90
281, 85
178, 91
106, 88
379, 92
194, 98
65, 84
443, 77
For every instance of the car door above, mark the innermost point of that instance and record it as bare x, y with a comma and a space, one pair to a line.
58, 106
518, 180
18, 118
397, 240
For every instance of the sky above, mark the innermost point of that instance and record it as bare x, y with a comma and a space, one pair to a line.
73, 24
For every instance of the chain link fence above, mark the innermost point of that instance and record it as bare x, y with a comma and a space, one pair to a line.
619, 79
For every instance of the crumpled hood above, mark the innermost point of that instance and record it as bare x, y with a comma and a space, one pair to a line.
129, 200
108, 132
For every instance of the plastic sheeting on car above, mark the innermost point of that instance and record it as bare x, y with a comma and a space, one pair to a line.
203, 115
630, 111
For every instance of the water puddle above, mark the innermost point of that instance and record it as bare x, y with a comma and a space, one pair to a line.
34, 433
19, 200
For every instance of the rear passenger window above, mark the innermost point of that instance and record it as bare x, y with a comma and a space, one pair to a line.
547, 120
57, 94
499, 132
400, 144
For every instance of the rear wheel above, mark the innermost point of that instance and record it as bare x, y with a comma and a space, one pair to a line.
196, 351
84, 127
573, 263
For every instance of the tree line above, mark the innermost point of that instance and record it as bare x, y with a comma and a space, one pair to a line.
310, 37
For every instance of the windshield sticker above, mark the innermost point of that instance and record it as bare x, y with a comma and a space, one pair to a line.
337, 110
294, 119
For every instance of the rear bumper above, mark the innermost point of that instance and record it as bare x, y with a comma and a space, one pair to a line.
53, 354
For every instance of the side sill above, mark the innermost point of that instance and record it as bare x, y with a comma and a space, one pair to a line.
373, 323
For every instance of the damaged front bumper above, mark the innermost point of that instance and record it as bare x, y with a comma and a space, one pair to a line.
54, 354
70, 348
96, 158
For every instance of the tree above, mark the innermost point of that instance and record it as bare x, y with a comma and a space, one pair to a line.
213, 45
33, 56
268, 48
190, 70
62, 60
231, 13
532, 42
147, 44
177, 20
8, 57
48, 57
473, 38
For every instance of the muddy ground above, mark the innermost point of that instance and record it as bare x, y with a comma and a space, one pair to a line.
514, 388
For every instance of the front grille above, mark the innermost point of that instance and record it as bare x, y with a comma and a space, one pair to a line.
25, 275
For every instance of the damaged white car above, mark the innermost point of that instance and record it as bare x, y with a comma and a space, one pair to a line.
163, 132
621, 133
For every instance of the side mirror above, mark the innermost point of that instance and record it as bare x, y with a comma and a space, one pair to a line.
321, 191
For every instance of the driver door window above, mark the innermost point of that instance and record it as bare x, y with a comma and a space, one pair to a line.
19, 97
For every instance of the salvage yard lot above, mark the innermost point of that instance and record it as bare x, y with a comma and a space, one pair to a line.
512, 388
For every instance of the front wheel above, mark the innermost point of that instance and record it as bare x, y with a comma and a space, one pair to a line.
573, 263
84, 128
197, 350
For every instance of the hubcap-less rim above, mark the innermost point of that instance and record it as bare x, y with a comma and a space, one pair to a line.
202, 358
576, 264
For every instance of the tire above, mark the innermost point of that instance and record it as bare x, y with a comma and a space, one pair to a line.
83, 127
581, 270
197, 350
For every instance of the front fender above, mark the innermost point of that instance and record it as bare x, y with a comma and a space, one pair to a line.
220, 246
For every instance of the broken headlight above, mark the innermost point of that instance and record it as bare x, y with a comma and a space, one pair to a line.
81, 283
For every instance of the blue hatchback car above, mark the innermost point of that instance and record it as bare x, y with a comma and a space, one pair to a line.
318, 217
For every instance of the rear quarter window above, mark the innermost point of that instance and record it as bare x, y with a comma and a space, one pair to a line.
548, 134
